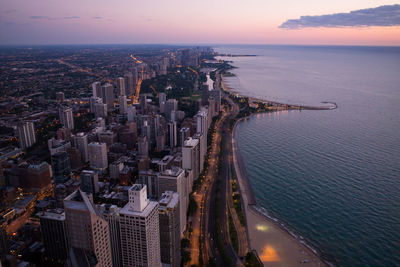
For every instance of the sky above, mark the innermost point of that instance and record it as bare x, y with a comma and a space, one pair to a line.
341, 22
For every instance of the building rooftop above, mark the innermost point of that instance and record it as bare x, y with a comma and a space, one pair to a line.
169, 199
144, 213
175, 171
54, 214
191, 142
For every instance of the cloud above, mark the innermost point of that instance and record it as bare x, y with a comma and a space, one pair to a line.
388, 15
72, 17
50, 18
39, 17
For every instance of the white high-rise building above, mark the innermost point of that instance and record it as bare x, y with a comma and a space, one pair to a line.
66, 117
121, 86
98, 155
174, 180
191, 156
201, 119
81, 143
96, 89
139, 230
122, 104
26, 134
86, 227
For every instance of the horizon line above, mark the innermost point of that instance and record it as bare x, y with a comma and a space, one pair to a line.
193, 44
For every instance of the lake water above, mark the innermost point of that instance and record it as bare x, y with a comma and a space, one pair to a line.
331, 176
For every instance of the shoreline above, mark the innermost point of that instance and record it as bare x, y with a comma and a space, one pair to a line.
261, 227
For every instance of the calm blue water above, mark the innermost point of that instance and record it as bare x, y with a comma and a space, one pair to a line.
332, 176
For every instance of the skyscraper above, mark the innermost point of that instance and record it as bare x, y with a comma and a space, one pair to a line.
202, 123
122, 104
111, 215
121, 86
172, 134
60, 97
66, 117
54, 233
150, 179
26, 134
139, 229
174, 180
170, 105
108, 95
203, 149
131, 113
162, 97
143, 146
129, 83
170, 241
81, 143
98, 155
93, 101
100, 110
89, 182
191, 156
86, 227
61, 167
96, 89
184, 133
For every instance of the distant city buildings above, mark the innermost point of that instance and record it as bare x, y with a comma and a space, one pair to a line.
90, 213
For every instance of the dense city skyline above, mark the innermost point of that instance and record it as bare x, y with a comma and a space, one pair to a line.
206, 22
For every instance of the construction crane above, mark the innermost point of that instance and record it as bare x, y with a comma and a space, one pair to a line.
139, 83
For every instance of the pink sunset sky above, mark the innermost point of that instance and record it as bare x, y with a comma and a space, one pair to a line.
198, 22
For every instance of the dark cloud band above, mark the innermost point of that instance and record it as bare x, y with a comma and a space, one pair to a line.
388, 15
